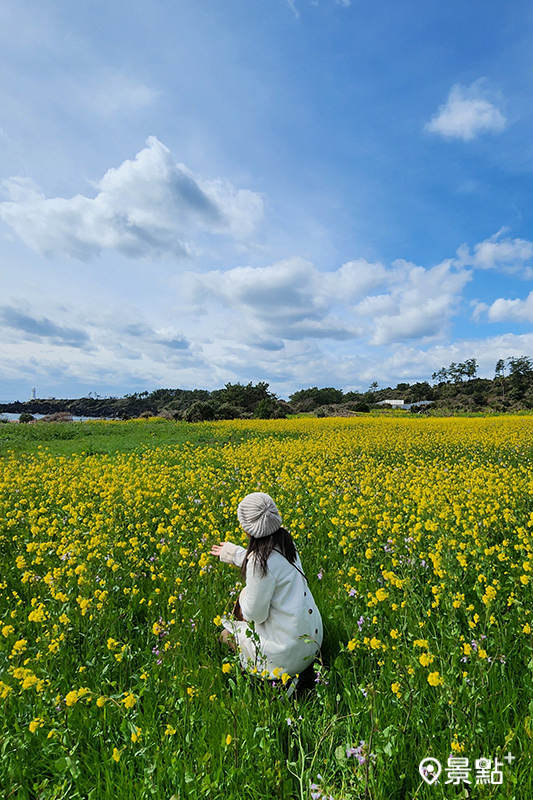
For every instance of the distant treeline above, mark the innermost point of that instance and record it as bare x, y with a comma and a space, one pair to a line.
454, 388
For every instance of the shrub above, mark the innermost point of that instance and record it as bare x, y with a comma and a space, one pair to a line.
58, 416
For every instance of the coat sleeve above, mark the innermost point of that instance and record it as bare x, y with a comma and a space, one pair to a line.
232, 554
256, 596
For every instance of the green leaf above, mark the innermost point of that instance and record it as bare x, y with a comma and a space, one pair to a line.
340, 753
73, 767
61, 764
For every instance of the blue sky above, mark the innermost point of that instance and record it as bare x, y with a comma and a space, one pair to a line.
305, 193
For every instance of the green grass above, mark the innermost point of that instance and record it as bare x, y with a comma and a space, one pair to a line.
107, 437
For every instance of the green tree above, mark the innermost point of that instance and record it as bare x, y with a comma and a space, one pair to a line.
520, 375
499, 373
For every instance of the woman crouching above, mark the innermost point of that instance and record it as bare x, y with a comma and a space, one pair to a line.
287, 627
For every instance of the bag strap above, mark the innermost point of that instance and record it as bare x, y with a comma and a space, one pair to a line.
292, 564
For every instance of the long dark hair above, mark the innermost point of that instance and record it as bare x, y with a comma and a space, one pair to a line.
280, 540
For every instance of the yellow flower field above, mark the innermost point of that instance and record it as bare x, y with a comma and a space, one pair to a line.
417, 538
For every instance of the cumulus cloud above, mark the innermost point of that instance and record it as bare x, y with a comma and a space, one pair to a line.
291, 299
167, 337
146, 207
42, 329
419, 305
502, 310
467, 113
512, 256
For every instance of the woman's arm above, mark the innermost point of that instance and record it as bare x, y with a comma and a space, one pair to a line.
229, 553
256, 596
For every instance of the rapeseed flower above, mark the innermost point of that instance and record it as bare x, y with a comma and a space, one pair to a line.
72, 698
129, 700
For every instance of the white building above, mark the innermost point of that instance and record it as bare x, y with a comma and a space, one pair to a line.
391, 403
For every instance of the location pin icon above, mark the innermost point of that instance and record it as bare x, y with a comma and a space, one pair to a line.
429, 769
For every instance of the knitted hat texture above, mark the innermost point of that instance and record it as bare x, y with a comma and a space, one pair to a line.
258, 515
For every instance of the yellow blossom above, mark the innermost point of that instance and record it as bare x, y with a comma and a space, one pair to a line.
129, 700
71, 698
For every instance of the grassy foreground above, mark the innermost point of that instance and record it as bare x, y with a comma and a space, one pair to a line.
416, 536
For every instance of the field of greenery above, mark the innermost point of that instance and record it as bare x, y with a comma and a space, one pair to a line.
417, 539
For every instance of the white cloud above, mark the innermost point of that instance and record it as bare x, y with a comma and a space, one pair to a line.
148, 207
24, 325
291, 299
506, 255
351, 281
467, 113
412, 363
419, 305
502, 310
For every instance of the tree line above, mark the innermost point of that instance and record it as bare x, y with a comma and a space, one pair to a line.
454, 388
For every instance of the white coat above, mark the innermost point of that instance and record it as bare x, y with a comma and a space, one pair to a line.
287, 622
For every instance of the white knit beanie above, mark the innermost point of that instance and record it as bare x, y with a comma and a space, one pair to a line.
258, 515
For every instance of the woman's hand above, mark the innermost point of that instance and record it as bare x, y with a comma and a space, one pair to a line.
217, 549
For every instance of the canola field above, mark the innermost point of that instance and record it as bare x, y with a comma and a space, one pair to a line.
417, 539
